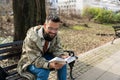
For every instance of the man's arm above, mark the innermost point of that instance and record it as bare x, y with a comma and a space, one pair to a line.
58, 50
33, 53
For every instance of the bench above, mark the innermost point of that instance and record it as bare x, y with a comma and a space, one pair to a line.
9, 52
117, 32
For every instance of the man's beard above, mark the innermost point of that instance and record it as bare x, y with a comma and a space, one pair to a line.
47, 36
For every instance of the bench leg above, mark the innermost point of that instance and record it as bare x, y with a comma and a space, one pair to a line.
113, 40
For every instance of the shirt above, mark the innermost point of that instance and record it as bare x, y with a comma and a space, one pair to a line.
40, 33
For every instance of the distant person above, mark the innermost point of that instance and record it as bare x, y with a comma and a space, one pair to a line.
41, 45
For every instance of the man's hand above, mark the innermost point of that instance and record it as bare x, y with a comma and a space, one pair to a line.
64, 56
55, 65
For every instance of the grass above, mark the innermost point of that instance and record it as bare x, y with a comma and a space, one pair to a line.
77, 27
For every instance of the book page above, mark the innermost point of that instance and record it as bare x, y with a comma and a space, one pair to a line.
58, 60
63, 61
70, 59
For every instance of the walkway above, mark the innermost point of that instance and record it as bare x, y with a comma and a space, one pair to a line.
102, 63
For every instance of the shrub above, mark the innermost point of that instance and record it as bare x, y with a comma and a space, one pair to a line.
90, 13
104, 16
101, 15
117, 17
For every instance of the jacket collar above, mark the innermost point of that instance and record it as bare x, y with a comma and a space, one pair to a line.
40, 32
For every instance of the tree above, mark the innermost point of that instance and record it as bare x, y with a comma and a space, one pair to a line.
27, 13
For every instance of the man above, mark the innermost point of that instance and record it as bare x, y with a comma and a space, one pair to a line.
41, 45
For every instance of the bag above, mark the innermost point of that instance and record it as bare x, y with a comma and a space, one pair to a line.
3, 74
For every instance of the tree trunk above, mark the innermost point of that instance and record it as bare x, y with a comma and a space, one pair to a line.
27, 13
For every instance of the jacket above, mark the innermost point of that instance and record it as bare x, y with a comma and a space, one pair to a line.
32, 51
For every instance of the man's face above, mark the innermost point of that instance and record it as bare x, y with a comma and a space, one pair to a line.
51, 28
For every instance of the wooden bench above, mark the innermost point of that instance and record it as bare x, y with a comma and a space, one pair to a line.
9, 52
117, 32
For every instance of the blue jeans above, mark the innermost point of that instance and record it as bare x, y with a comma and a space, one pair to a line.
43, 74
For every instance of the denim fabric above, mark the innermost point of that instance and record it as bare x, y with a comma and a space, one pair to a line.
43, 74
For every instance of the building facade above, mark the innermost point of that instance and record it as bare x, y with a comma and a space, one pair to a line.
76, 6
4, 1
72, 6
113, 5
52, 6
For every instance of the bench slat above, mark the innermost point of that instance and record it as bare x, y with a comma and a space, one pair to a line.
11, 44
12, 73
9, 56
12, 49
15, 77
10, 67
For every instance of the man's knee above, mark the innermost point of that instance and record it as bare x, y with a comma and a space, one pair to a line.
39, 72
43, 73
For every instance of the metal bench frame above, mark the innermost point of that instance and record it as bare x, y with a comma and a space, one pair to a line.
117, 32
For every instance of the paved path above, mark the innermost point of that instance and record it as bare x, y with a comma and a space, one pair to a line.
102, 63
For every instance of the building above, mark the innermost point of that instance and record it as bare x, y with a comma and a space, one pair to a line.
76, 6
4, 1
113, 5
52, 6
72, 6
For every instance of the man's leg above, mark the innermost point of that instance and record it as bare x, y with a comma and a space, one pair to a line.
62, 73
40, 73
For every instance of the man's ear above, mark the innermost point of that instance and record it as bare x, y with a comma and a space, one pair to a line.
44, 25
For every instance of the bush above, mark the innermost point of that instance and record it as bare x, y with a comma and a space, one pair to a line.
105, 16
90, 13
100, 15
117, 17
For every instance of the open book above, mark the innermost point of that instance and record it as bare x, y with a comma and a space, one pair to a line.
63, 61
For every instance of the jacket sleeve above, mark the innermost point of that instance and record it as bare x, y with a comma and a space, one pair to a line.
58, 50
33, 53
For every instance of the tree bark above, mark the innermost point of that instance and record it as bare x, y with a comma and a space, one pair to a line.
27, 13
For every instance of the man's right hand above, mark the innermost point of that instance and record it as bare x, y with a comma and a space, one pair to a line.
55, 65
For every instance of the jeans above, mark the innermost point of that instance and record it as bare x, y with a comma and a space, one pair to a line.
43, 74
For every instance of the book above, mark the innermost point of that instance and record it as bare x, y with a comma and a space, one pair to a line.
63, 61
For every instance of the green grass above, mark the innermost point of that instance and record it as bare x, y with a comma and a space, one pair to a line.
77, 27
110, 24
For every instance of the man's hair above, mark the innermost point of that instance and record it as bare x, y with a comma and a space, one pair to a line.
53, 18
